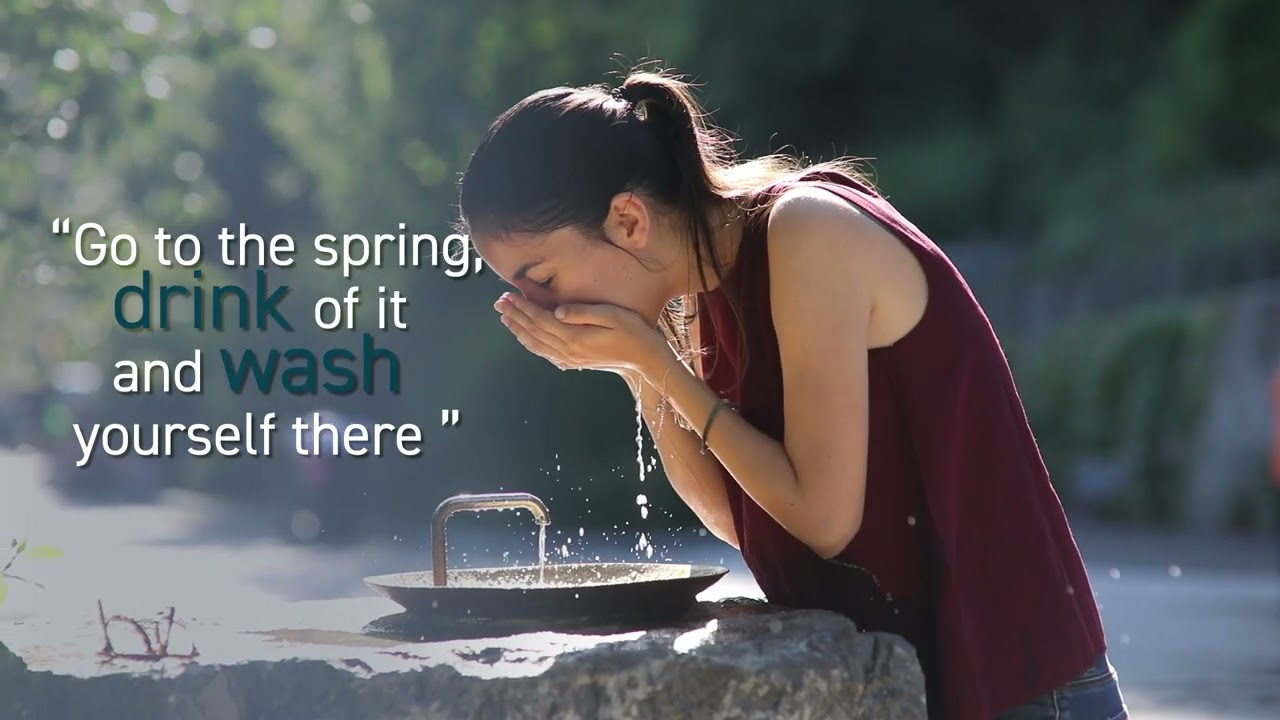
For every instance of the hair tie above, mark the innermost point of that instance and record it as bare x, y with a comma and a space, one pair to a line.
641, 108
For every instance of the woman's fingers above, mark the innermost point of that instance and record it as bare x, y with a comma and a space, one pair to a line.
543, 318
536, 321
533, 344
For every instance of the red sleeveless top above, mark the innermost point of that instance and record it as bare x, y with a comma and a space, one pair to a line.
964, 549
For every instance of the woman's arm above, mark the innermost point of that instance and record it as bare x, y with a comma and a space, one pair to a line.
822, 255
696, 477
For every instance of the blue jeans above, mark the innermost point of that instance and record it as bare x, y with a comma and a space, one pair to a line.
1095, 695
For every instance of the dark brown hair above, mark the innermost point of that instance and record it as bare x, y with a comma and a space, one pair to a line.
558, 157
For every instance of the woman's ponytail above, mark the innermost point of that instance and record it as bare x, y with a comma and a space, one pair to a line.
698, 154
666, 106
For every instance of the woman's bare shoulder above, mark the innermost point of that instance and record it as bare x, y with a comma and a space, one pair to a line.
816, 236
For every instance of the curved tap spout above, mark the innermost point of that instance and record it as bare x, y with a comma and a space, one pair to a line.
476, 503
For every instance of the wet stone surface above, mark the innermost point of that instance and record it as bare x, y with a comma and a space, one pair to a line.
362, 659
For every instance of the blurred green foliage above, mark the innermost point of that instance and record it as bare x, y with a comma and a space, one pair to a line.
1131, 388
1088, 130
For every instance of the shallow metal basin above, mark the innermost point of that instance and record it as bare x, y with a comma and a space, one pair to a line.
590, 591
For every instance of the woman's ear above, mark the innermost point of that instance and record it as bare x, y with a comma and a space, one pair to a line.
629, 224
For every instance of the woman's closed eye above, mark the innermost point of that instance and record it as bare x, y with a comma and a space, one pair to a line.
545, 284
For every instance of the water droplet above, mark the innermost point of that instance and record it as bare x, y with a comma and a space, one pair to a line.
1071, 590
435, 603
1115, 573
644, 511
1175, 571
775, 626
1124, 639
911, 519
642, 500
702, 532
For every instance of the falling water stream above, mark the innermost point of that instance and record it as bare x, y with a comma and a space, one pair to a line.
643, 544
640, 435
542, 553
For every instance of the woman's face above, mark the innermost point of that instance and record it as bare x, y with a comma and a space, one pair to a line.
570, 266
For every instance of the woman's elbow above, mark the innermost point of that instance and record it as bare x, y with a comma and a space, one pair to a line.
725, 535
835, 536
831, 511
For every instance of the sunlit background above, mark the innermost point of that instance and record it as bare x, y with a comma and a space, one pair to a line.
1106, 174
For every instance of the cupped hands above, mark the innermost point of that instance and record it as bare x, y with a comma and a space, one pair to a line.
584, 336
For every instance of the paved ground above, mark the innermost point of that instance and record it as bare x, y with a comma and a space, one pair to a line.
1194, 622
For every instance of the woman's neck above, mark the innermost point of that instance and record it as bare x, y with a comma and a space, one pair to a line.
726, 225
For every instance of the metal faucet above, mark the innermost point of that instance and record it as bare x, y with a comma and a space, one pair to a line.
476, 503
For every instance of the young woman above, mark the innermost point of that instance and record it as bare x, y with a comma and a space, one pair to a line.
824, 391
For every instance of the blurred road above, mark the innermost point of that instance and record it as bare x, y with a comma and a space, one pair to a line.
1194, 624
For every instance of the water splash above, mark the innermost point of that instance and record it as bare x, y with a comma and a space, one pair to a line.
643, 545
643, 502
